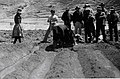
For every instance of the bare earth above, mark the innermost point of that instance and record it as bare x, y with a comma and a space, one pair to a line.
30, 60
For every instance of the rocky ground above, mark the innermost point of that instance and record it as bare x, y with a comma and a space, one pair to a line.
30, 60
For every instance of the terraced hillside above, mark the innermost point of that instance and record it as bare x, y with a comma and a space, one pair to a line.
35, 7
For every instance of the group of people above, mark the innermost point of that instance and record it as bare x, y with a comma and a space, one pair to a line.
85, 17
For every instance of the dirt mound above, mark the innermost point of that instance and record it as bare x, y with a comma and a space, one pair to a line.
65, 65
30, 60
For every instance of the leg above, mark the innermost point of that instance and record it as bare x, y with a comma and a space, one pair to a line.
97, 32
15, 40
19, 40
93, 30
86, 35
116, 32
47, 33
103, 33
111, 32
76, 28
90, 36
80, 25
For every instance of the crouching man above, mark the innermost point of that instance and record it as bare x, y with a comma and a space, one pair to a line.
62, 36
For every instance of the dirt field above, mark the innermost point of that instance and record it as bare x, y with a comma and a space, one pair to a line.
30, 60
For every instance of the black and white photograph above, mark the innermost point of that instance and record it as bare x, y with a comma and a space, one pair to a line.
59, 39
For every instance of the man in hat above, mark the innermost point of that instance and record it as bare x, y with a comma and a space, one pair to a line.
77, 20
67, 18
52, 19
17, 30
88, 25
100, 23
102, 5
113, 19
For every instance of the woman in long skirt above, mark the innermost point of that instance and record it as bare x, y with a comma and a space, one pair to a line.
17, 30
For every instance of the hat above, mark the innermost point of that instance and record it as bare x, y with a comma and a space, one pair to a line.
112, 8
19, 10
86, 5
99, 8
52, 11
77, 7
102, 4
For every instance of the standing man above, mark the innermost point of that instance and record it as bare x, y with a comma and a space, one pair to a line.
100, 23
17, 30
77, 20
67, 18
88, 7
113, 19
52, 20
88, 25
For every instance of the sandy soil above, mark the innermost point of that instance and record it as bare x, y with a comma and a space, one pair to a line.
30, 60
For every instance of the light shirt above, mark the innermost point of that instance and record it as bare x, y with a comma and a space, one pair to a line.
52, 19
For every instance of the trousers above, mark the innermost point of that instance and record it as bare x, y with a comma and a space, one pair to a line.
78, 26
113, 27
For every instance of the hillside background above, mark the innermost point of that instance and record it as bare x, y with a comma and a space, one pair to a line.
38, 8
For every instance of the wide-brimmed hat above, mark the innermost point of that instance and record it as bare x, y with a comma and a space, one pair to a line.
77, 7
86, 5
99, 8
112, 8
19, 10
102, 4
52, 11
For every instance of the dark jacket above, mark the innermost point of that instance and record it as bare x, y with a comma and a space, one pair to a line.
100, 18
77, 16
113, 17
17, 19
67, 18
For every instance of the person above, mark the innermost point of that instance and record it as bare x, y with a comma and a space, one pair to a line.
67, 18
100, 17
113, 19
62, 36
52, 20
17, 30
88, 25
86, 7
102, 5
77, 20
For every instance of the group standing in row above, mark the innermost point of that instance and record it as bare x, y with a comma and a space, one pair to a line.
87, 18
81, 18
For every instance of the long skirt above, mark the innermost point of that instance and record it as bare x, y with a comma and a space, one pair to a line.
17, 31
